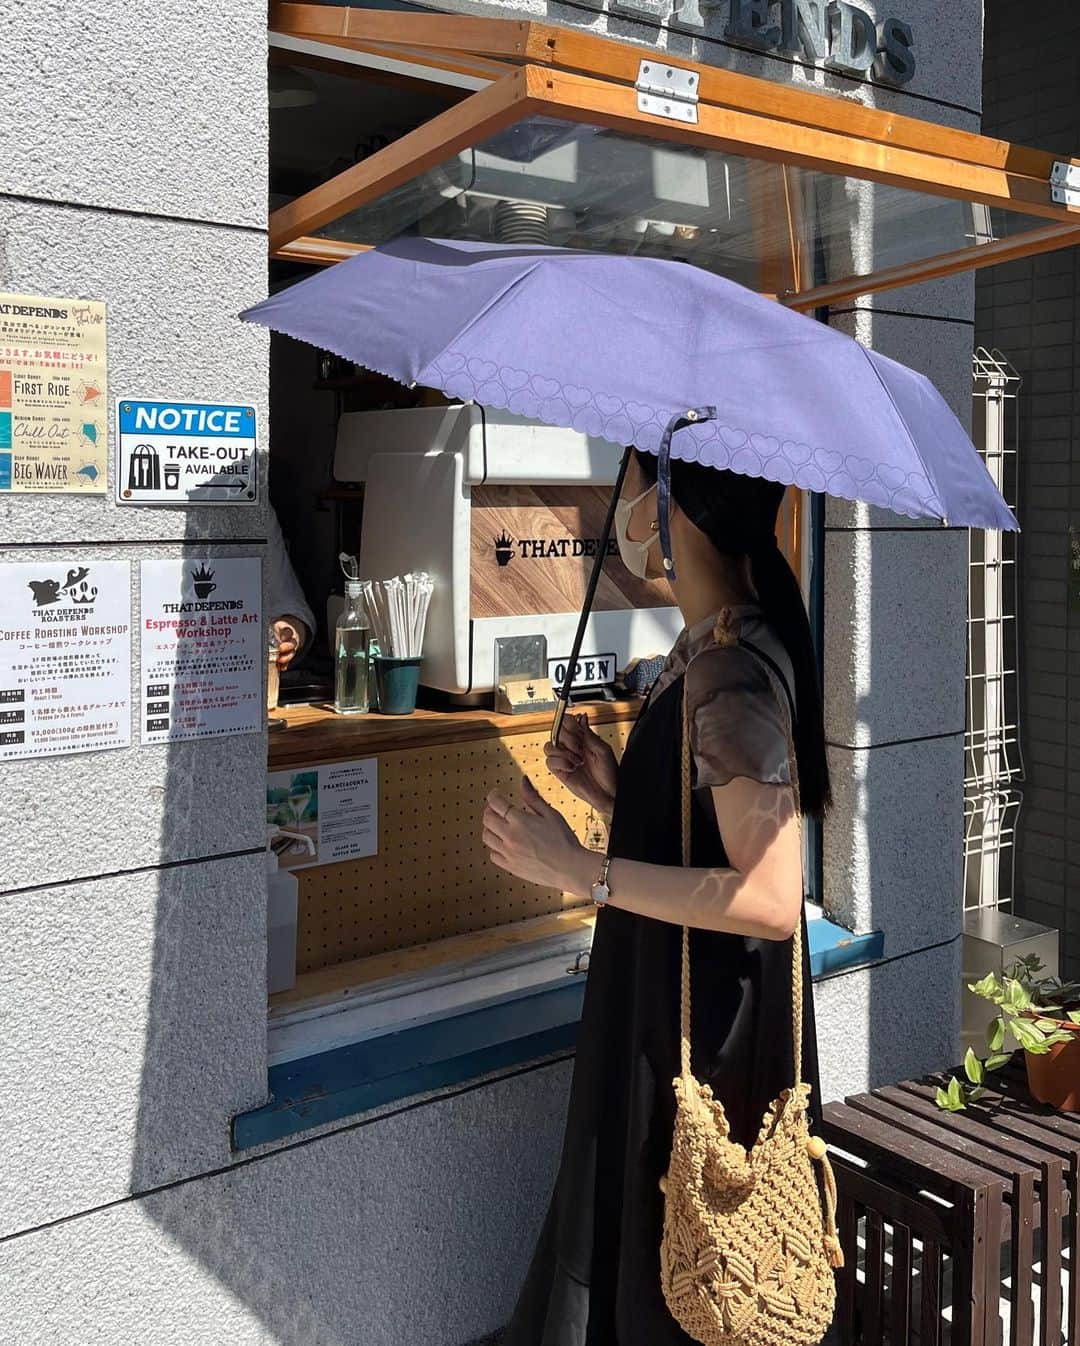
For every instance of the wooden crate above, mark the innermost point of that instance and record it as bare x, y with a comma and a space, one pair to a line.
942, 1217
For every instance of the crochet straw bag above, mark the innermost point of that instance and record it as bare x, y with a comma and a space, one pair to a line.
748, 1249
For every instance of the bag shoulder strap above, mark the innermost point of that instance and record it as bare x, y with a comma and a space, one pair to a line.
724, 634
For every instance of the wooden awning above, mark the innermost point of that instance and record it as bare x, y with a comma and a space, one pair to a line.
797, 158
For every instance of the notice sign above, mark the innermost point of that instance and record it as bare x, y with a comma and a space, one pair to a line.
203, 648
178, 453
336, 807
65, 657
53, 418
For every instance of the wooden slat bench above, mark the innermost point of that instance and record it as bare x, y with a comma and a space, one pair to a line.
931, 1202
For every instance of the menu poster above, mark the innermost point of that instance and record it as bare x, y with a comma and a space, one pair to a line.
203, 648
336, 806
53, 418
65, 657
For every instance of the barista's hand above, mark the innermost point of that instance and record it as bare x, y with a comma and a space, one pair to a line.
533, 841
584, 763
291, 635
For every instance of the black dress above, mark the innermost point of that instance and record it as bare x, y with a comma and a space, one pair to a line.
594, 1279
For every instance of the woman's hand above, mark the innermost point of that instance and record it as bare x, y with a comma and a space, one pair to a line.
534, 842
584, 763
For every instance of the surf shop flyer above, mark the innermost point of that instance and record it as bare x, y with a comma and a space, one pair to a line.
53, 397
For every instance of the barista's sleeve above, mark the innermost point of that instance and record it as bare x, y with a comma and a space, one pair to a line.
284, 596
737, 726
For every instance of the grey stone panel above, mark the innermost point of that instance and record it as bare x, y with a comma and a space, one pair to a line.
416, 1228
151, 107
893, 845
874, 1027
134, 1011
895, 634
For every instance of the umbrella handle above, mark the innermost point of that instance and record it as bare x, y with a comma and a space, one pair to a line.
563, 694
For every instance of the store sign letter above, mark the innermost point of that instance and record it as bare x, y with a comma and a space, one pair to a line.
833, 33
839, 35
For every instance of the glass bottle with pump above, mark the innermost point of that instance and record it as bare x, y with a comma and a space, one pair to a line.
351, 646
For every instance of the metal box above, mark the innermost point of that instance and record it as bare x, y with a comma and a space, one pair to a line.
992, 940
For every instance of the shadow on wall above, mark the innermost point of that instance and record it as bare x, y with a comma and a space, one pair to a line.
411, 1226
894, 850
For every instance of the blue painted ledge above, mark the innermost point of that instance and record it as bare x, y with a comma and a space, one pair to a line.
351, 1080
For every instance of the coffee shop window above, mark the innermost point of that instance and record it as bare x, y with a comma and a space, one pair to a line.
413, 963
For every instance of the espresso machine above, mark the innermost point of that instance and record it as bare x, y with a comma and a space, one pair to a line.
506, 515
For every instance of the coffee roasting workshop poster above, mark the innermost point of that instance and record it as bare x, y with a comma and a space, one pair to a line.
53, 403
65, 657
203, 648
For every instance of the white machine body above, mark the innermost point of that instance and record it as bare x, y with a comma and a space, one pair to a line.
424, 472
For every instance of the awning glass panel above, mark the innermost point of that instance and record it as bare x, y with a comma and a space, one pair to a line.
545, 179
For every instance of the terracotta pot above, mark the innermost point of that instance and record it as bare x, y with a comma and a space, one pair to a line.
1054, 1077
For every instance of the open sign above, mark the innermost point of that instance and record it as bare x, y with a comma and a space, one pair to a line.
591, 670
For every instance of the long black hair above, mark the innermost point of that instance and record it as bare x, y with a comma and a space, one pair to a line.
738, 515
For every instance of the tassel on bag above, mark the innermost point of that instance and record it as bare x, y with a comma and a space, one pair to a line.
749, 1242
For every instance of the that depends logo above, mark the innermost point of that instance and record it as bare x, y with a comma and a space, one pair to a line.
202, 579
549, 548
74, 590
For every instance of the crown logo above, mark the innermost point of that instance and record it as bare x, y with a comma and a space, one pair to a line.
201, 574
504, 548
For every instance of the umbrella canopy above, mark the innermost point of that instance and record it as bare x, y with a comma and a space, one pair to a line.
622, 348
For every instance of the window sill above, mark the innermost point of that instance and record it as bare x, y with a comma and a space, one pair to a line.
450, 1033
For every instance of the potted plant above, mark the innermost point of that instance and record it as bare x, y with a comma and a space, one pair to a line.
1042, 1014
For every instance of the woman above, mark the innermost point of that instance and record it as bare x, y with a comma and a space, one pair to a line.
595, 1277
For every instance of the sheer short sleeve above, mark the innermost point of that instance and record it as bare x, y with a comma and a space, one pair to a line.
737, 726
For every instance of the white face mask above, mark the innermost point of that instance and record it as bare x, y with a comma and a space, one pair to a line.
635, 555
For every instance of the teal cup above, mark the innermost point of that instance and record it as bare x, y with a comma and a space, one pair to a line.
397, 682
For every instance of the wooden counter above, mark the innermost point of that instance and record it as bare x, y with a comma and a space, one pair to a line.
315, 734
431, 879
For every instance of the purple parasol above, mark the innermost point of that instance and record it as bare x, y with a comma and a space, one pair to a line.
622, 347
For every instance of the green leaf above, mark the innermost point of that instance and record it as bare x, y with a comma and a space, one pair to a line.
1017, 996
995, 1034
1046, 1025
975, 1094
996, 1062
1029, 1036
950, 1099
987, 987
1074, 1016
973, 1067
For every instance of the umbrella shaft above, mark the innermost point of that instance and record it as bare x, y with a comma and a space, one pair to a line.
590, 594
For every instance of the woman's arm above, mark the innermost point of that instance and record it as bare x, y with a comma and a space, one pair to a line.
759, 896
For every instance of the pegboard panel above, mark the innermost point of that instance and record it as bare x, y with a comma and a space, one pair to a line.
432, 877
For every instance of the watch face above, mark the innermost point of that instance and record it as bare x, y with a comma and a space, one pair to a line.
600, 893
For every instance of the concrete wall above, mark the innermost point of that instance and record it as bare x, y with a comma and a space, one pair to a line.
1029, 310
132, 154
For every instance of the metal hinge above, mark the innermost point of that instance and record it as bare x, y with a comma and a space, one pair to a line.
667, 91
1065, 184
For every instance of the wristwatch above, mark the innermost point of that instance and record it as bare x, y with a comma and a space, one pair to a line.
600, 890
